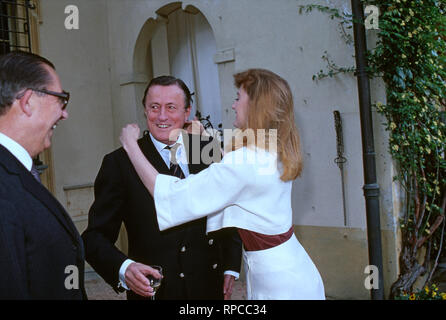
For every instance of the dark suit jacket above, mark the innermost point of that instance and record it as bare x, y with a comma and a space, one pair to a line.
38, 239
193, 263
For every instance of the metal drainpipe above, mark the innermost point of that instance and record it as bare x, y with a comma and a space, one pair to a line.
371, 187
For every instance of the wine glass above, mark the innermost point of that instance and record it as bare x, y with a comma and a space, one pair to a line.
155, 283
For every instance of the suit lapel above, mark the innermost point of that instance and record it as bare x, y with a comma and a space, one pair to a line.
46, 198
187, 141
192, 145
37, 190
150, 152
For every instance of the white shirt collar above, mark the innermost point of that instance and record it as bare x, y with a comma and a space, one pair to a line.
158, 144
165, 154
17, 150
161, 146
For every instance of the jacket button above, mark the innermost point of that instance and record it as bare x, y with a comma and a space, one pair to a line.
181, 275
214, 266
211, 241
183, 249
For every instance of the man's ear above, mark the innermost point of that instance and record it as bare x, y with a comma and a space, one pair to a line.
24, 102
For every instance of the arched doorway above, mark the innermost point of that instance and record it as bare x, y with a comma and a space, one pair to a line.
180, 43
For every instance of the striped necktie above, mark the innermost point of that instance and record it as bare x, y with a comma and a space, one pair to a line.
175, 168
35, 173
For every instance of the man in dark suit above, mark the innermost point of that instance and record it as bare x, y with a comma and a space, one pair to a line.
41, 252
193, 263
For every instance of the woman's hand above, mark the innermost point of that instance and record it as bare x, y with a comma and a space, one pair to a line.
194, 127
147, 173
129, 135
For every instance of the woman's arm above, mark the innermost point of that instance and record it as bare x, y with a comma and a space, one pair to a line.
146, 172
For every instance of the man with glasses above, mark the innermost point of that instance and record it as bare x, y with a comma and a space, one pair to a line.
41, 252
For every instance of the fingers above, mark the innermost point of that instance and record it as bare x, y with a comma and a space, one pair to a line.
188, 126
136, 280
129, 134
193, 126
153, 272
228, 284
131, 127
139, 288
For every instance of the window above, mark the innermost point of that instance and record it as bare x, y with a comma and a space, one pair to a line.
15, 25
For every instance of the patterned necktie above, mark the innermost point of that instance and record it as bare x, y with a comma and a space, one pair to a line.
175, 168
35, 173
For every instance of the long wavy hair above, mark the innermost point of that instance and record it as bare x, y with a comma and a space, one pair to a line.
270, 108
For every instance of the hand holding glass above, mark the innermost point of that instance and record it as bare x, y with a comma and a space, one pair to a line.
154, 282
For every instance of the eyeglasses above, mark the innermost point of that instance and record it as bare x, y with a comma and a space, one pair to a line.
63, 96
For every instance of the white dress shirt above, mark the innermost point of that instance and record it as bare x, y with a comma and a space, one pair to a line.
181, 157
180, 154
17, 151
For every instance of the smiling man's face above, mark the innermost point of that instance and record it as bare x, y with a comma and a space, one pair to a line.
165, 111
47, 113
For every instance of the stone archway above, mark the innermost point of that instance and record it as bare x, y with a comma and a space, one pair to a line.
181, 42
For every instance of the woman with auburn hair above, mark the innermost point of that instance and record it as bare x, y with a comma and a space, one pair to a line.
250, 189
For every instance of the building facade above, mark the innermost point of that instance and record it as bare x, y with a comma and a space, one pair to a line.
120, 45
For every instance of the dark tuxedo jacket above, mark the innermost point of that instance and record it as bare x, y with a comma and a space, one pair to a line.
193, 263
38, 239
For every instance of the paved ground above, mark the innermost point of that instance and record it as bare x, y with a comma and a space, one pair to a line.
98, 289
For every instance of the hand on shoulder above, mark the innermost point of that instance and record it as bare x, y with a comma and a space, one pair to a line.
129, 135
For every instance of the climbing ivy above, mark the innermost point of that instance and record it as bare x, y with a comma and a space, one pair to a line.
410, 58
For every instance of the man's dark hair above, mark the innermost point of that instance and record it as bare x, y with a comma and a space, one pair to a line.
168, 81
19, 71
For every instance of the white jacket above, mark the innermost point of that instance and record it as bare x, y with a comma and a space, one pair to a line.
244, 190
